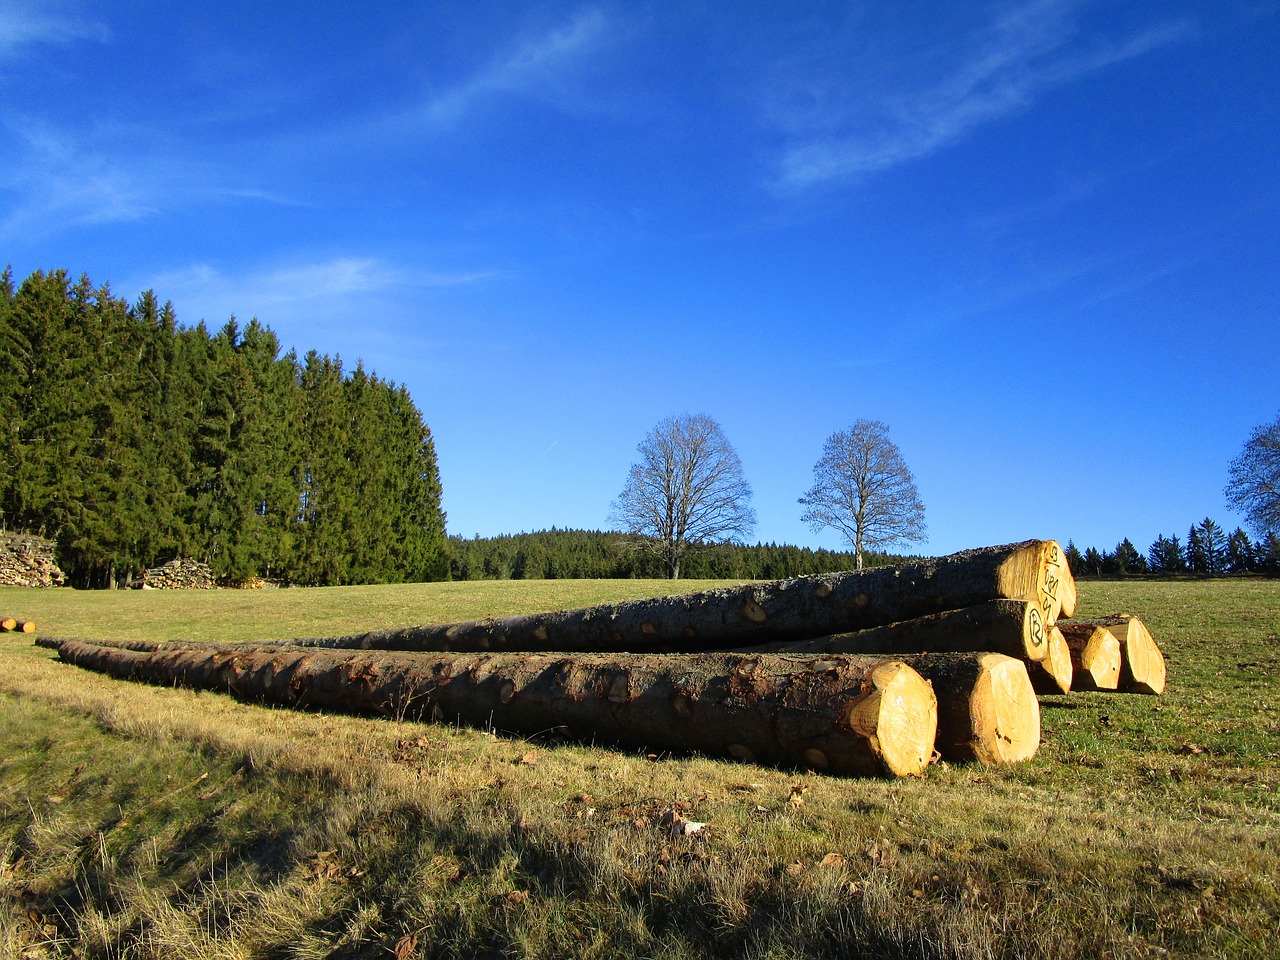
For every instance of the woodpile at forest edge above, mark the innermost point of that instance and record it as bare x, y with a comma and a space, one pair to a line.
861, 672
28, 561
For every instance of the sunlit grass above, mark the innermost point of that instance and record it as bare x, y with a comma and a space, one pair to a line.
150, 822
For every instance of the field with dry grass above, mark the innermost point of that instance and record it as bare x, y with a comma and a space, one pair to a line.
158, 823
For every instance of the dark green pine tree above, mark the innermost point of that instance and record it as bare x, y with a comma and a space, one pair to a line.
1240, 554
1166, 556
1127, 559
418, 529
12, 377
1213, 545
325, 488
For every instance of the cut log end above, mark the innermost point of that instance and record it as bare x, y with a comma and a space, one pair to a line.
1143, 668
900, 713
1095, 656
1004, 712
1036, 571
1054, 673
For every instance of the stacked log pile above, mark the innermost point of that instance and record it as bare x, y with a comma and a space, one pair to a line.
28, 561
874, 671
179, 575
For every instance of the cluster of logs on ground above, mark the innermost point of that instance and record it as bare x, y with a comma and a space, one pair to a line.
10, 625
179, 575
878, 671
28, 561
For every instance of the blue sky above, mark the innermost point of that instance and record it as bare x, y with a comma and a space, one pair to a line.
1040, 240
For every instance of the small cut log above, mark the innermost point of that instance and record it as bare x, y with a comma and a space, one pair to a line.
987, 708
1054, 674
844, 715
1095, 655
1142, 664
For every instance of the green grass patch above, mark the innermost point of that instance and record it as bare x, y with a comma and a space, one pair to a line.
140, 822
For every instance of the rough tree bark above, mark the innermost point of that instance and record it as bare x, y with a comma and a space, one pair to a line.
1095, 655
755, 613
1014, 628
1142, 665
987, 709
845, 715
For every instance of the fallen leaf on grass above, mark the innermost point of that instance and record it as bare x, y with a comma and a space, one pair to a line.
529, 760
833, 860
405, 946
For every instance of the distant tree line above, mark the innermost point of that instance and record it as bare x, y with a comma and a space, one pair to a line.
131, 440
590, 554
1207, 550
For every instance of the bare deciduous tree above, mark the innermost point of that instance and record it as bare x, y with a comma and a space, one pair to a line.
688, 488
863, 489
1254, 486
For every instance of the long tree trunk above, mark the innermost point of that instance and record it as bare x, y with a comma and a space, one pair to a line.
793, 609
846, 715
1014, 628
987, 709
1142, 666
1095, 655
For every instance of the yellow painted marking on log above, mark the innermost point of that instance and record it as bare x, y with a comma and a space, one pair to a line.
683, 706
753, 612
741, 752
540, 633
507, 692
822, 590
648, 628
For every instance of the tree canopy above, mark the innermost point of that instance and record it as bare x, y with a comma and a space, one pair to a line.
1254, 480
687, 489
863, 489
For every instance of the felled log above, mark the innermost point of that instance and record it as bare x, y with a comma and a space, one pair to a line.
1142, 665
1054, 674
793, 609
1095, 655
845, 715
1014, 628
987, 708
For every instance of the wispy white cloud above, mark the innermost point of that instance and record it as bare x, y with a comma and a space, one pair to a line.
27, 24
876, 122
59, 179
534, 69
323, 290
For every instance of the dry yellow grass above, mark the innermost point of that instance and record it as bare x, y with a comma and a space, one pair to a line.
148, 822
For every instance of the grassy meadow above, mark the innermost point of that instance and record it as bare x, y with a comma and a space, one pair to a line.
143, 822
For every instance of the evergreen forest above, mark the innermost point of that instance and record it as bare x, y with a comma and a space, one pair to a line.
570, 554
132, 440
